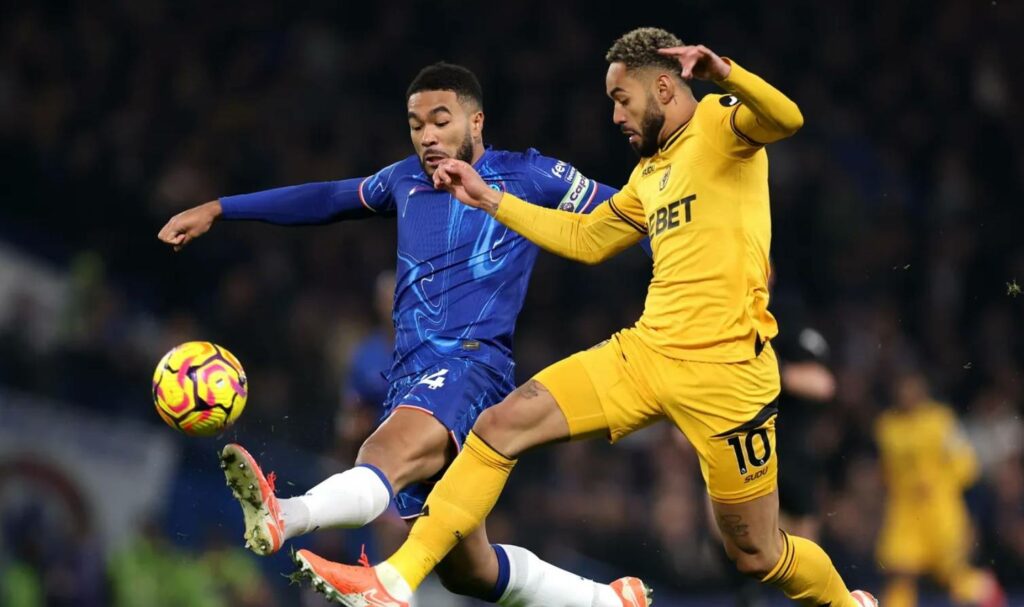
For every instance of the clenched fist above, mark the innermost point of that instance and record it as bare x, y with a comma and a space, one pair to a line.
188, 225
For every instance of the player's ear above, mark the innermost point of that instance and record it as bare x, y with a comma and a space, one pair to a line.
476, 124
664, 88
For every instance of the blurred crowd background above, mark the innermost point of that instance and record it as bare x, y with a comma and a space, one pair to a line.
897, 225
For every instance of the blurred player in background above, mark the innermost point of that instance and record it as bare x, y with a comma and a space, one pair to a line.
366, 387
927, 464
460, 285
807, 386
364, 392
700, 355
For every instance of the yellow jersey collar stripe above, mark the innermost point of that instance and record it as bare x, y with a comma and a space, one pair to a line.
674, 137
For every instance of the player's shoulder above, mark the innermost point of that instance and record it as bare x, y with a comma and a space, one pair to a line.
712, 107
885, 420
533, 166
939, 411
891, 424
718, 103
408, 166
531, 158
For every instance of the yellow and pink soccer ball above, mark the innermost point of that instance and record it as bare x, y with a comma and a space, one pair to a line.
199, 388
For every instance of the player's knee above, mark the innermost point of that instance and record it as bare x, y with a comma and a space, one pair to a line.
498, 427
401, 464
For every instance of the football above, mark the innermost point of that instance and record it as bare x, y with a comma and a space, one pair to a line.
199, 388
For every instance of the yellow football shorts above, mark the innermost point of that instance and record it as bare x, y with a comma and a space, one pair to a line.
925, 537
726, 410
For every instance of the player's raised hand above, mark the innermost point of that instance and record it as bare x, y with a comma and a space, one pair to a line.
465, 183
698, 61
189, 225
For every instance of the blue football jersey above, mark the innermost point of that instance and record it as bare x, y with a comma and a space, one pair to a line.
462, 276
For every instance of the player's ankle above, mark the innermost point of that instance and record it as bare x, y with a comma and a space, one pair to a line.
393, 582
295, 517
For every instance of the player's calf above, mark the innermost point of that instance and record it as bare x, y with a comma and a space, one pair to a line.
471, 568
751, 537
756, 564
794, 565
471, 582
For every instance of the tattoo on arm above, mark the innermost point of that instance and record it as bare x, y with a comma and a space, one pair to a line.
530, 389
733, 525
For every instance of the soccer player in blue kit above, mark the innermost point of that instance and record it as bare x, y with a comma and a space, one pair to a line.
461, 281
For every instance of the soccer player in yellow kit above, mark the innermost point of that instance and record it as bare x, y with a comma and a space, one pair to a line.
927, 464
699, 356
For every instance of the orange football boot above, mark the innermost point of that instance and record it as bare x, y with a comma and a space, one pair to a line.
633, 592
864, 598
264, 529
347, 585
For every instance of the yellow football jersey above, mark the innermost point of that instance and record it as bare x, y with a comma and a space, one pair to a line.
925, 457
703, 201
927, 463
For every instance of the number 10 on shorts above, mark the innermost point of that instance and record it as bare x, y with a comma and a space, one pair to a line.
746, 449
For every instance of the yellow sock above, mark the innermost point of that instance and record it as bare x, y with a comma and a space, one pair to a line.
805, 574
900, 592
457, 505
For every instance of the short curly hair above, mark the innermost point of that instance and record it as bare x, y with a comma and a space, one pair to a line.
443, 76
639, 49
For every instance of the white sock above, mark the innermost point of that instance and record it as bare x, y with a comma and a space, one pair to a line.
535, 583
350, 499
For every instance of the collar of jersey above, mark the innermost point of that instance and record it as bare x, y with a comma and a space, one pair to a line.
480, 161
674, 137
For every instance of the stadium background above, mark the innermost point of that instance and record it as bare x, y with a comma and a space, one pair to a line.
896, 226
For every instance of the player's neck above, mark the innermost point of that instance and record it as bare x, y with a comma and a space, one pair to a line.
478, 151
676, 117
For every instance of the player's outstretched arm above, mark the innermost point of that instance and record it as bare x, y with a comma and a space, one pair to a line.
766, 114
306, 204
188, 225
589, 238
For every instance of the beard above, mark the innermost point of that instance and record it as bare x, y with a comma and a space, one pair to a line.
464, 153
650, 128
